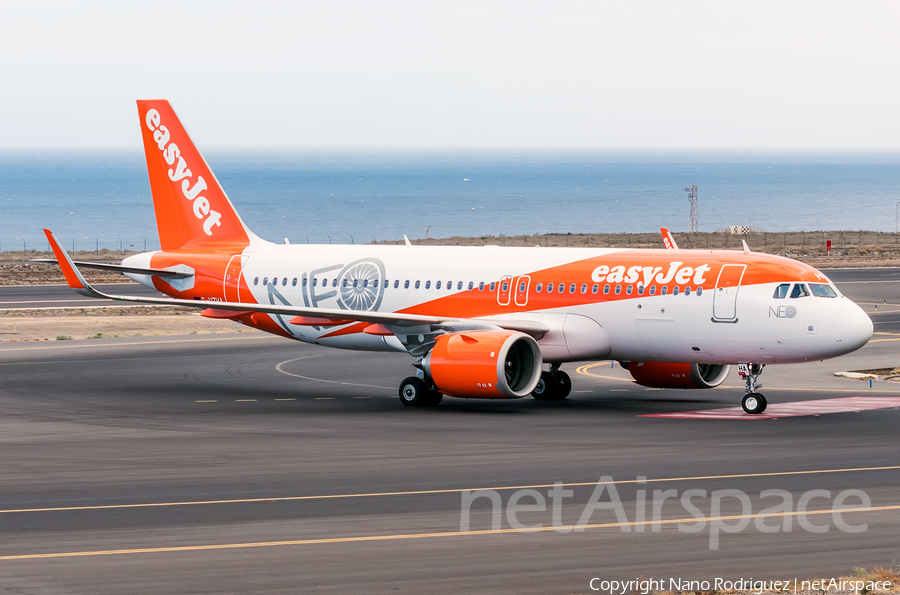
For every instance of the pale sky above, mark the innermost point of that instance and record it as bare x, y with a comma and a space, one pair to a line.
754, 74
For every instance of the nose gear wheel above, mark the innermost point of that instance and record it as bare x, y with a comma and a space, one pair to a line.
753, 402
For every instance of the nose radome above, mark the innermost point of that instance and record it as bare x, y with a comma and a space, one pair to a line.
853, 325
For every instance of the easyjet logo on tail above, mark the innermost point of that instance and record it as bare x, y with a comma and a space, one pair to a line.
180, 172
648, 275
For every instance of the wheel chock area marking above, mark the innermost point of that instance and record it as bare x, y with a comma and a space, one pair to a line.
794, 409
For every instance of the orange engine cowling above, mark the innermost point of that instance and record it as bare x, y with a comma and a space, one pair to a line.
678, 375
484, 364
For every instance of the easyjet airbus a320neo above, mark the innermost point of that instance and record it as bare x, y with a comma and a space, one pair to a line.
483, 322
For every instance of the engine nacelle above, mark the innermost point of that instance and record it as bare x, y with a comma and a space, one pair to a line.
678, 375
484, 364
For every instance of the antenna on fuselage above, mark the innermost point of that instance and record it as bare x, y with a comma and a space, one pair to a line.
746, 247
406, 240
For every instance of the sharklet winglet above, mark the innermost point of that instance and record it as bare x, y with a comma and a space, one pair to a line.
73, 276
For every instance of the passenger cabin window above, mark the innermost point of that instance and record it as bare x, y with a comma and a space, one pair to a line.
687, 291
822, 290
406, 285
606, 289
549, 287
459, 285
417, 284
539, 287
781, 291
284, 282
699, 291
583, 288
653, 290
294, 282
493, 285
521, 287
396, 283
618, 289
595, 288
437, 285
504, 286
481, 286
471, 286
799, 291
562, 288
628, 290
572, 288
428, 285
304, 281
256, 280
315, 282
663, 290
675, 290
640, 290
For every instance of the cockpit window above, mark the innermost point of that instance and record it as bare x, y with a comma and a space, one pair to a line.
799, 291
781, 291
822, 290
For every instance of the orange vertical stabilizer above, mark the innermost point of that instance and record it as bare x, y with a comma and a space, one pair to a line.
192, 210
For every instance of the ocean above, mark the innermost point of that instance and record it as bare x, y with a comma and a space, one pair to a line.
93, 198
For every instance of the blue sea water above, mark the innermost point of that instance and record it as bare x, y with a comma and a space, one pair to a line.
91, 197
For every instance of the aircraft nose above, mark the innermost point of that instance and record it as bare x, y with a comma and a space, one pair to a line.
854, 327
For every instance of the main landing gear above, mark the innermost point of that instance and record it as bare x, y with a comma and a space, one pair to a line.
753, 402
414, 392
554, 385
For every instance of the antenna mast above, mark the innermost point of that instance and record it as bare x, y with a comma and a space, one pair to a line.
695, 208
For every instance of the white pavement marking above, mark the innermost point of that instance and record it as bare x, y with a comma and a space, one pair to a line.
279, 368
795, 409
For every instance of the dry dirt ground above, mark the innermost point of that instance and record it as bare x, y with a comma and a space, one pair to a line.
91, 323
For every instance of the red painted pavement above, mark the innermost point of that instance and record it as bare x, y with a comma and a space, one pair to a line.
795, 409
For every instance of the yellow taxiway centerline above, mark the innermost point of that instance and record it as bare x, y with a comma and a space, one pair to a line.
442, 491
399, 536
583, 370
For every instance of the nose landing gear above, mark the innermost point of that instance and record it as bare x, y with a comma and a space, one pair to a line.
753, 402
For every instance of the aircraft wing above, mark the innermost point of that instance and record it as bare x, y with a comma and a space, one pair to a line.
318, 316
668, 239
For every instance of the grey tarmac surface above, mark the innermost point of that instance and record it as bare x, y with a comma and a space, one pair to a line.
60, 296
294, 468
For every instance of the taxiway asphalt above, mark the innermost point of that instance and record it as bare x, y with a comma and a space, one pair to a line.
247, 463
61, 296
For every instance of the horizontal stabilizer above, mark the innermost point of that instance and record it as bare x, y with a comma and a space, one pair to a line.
119, 268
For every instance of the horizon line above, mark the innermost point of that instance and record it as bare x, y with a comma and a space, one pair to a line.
555, 148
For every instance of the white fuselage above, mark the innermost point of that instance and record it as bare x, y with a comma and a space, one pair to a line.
718, 324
